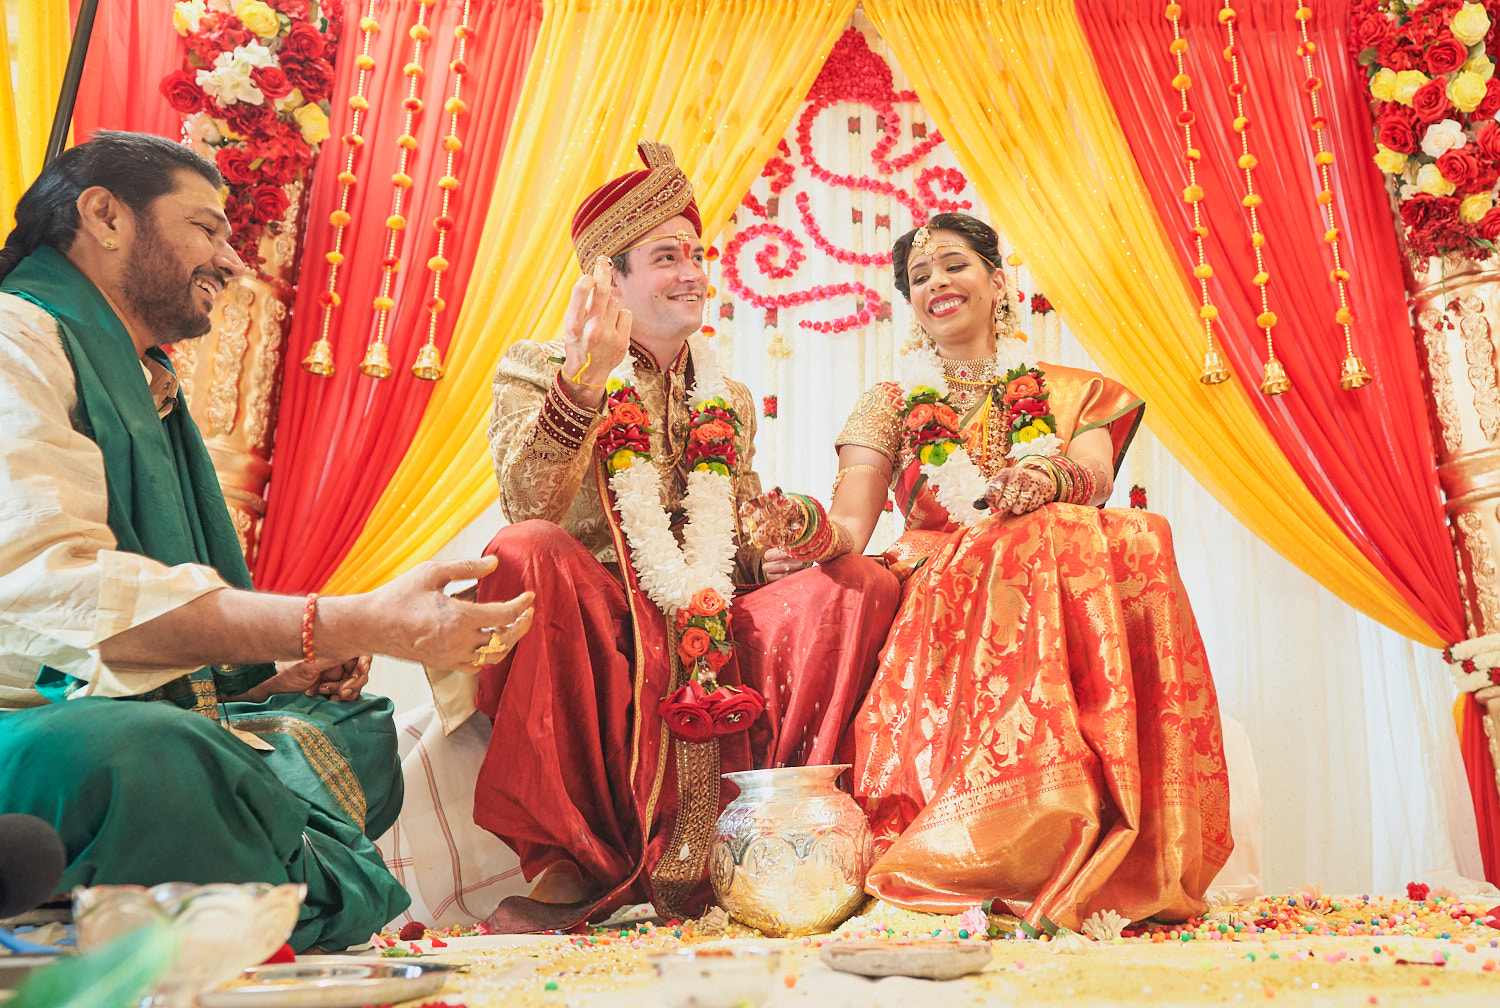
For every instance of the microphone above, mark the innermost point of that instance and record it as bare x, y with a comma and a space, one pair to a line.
32, 861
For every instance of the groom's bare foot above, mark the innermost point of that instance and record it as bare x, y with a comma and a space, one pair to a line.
560, 882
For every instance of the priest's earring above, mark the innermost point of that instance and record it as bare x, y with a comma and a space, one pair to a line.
109, 243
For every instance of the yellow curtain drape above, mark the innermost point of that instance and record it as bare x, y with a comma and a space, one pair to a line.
717, 80
1013, 86
37, 54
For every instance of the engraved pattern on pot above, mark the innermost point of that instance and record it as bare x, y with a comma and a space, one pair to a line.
1477, 546
790, 854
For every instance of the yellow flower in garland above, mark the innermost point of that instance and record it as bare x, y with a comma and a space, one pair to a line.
1383, 85
1474, 207
186, 16
622, 459
313, 123
1430, 180
1471, 24
1466, 91
1389, 161
1408, 83
1480, 64
933, 453
259, 18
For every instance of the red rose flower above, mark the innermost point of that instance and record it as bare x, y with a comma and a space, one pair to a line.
1138, 496
1431, 103
1487, 139
686, 713
1444, 56
1490, 103
232, 34
249, 120
234, 165
1397, 128
1031, 406
943, 414
294, 9
1425, 212
1461, 167
182, 91
1040, 305
314, 77
732, 710
627, 414
716, 659
271, 81
302, 43
1367, 30
1489, 225
270, 202
1417, 891
919, 416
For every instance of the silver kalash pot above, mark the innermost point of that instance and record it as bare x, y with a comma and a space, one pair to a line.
789, 855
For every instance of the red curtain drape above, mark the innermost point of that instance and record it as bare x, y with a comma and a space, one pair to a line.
339, 438
133, 47
1367, 455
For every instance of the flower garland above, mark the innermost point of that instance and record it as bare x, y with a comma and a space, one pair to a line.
689, 581
932, 424
254, 88
1435, 96
1475, 663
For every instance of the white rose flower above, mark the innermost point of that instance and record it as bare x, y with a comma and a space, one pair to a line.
1442, 137
203, 126
229, 84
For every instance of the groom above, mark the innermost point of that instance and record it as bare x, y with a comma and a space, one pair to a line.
583, 776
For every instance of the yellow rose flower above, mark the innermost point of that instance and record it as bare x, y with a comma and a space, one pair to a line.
1481, 65
1430, 180
1470, 24
1474, 207
186, 16
259, 18
312, 122
1466, 91
1408, 83
1389, 161
1383, 85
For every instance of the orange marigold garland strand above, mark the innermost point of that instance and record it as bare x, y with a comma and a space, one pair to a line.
319, 359
1352, 372
377, 362
1214, 370
1275, 380
429, 363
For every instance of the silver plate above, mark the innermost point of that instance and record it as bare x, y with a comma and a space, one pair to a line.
330, 982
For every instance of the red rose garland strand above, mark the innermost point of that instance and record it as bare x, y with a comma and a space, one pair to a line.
1214, 370
319, 359
1275, 381
429, 362
1353, 374
766, 260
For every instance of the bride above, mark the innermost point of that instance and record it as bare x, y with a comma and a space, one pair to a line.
1043, 730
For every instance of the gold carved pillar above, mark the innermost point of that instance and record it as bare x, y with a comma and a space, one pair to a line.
230, 376
1457, 309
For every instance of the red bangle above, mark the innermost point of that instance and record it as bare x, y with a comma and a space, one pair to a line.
309, 613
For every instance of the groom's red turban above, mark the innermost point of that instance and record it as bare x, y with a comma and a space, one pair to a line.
625, 209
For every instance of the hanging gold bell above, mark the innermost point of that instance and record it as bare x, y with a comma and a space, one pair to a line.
319, 359
1276, 381
429, 363
1215, 371
377, 362
1353, 374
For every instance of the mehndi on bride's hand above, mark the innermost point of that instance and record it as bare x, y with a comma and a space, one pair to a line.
773, 520
1019, 490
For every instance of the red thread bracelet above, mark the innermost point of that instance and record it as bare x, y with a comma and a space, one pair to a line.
309, 613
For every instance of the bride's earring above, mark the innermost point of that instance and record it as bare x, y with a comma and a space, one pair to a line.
1005, 320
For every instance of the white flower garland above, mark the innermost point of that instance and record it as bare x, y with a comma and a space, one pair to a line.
670, 574
958, 482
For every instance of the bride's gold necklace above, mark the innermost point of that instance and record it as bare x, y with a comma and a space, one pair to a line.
968, 378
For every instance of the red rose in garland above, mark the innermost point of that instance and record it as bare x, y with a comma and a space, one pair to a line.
1431, 103
182, 91
1490, 103
254, 85
1461, 167
686, 713
1444, 56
